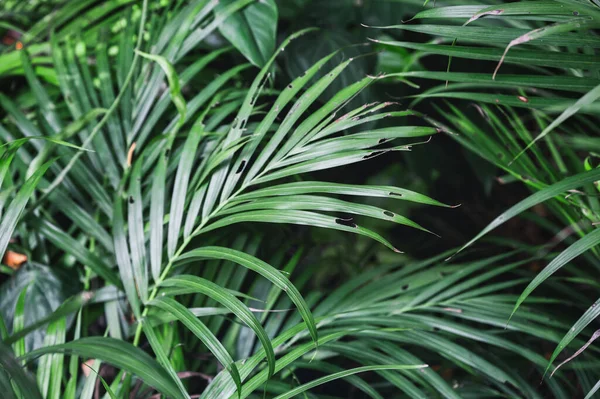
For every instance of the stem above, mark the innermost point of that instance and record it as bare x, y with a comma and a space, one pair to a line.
171, 262
185, 243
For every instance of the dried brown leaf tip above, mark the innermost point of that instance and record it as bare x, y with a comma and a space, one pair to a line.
130, 154
477, 16
579, 352
13, 259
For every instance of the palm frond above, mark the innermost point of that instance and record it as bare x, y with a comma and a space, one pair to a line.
168, 168
535, 86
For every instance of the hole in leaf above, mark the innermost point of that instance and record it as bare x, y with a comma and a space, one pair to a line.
241, 167
382, 141
404, 287
388, 213
131, 200
396, 194
290, 86
373, 154
346, 222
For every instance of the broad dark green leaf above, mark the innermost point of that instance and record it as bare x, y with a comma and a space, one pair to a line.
252, 30
47, 291
68, 307
68, 244
23, 381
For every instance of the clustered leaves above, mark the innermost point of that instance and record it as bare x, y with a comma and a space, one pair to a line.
143, 166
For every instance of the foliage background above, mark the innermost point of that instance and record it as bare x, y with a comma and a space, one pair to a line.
379, 308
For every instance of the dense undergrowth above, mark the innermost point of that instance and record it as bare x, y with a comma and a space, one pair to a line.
259, 198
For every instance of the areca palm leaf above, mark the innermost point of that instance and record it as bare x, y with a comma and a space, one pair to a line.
534, 37
524, 104
169, 170
415, 313
213, 191
567, 198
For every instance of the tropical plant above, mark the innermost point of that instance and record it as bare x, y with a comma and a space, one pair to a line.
543, 73
164, 165
155, 187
